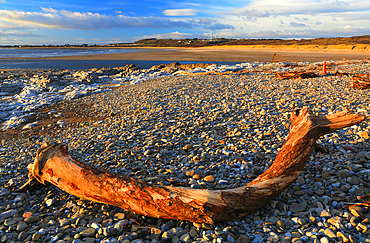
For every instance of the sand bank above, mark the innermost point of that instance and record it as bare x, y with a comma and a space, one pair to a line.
227, 54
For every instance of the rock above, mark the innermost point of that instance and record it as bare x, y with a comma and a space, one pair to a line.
272, 219
230, 239
324, 240
9, 222
32, 219
88, 232
49, 202
193, 233
256, 170
295, 208
243, 239
22, 226
335, 221
166, 236
325, 175
22, 236
330, 233
187, 147
343, 236
209, 178
119, 216
4, 192
300, 180
349, 148
344, 174
308, 191
36, 236
257, 239
155, 233
9, 213
27, 214
185, 238
364, 134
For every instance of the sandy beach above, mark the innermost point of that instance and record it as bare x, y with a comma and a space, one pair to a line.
215, 131
227, 54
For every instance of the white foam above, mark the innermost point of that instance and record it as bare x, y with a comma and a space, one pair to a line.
15, 109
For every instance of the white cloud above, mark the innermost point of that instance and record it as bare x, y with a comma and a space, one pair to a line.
2, 1
173, 35
180, 12
63, 19
18, 34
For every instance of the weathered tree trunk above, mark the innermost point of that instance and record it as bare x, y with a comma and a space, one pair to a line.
53, 164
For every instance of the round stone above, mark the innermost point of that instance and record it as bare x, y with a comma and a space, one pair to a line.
87, 232
32, 219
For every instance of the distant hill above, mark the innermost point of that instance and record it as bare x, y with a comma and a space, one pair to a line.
355, 40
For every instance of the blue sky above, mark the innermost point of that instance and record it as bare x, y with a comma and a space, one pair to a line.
103, 22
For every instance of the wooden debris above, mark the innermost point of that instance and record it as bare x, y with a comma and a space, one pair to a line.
53, 164
361, 81
296, 74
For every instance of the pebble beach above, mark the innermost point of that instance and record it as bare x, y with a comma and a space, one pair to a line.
192, 129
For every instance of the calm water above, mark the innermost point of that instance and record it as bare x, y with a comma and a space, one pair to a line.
24, 59
55, 52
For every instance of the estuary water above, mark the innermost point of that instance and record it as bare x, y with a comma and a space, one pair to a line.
24, 58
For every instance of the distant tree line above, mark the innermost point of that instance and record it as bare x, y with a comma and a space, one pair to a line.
224, 41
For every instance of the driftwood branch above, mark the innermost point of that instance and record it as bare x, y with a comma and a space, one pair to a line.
53, 164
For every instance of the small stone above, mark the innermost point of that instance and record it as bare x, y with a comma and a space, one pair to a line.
243, 239
166, 236
155, 234
4, 192
334, 221
185, 238
175, 239
230, 239
300, 180
22, 226
27, 214
325, 214
364, 134
209, 178
36, 236
343, 174
22, 236
257, 239
330, 233
280, 224
87, 232
9, 213
307, 191
193, 233
343, 236
9, 222
49, 202
119, 216
272, 219
256, 170
349, 148
32, 219
295, 208
325, 175
187, 147
324, 240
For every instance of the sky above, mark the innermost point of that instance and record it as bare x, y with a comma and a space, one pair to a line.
38, 22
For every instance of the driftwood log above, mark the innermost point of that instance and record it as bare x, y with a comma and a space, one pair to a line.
53, 164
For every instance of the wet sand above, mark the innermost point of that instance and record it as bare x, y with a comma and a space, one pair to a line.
226, 54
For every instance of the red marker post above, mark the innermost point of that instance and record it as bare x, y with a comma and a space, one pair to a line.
324, 68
